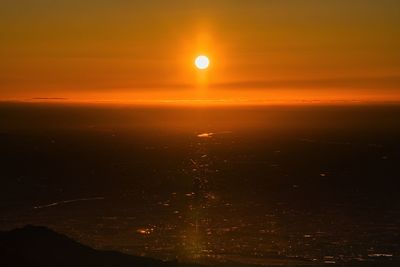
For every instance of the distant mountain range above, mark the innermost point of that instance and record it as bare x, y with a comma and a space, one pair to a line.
35, 246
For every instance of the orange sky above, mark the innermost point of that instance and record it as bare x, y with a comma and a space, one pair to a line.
142, 51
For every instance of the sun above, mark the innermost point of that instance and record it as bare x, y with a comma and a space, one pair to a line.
202, 62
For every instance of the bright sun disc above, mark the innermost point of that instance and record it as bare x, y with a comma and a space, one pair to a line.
202, 62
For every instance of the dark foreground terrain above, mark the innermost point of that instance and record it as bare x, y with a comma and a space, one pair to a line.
271, 186
40, 246
35, 246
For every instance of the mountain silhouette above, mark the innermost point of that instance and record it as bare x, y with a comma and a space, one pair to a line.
34, 246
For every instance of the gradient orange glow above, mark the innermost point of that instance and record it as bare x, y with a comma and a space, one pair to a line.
262, 52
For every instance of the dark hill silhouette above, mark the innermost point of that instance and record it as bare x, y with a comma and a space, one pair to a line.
34, 246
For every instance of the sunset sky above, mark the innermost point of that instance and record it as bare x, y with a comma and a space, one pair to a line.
261, 51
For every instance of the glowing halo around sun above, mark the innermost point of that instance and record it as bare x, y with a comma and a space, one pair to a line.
202, 62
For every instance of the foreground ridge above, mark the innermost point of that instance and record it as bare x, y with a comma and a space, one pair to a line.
38, 246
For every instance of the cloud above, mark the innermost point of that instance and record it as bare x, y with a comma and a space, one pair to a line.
381, 82
385, 82
49, 98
